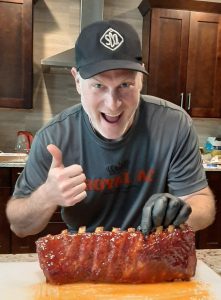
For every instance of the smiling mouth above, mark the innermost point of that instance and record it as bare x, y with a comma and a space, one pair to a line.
111, 119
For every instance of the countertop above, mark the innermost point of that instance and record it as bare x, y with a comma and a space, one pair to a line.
12, 164
212, 257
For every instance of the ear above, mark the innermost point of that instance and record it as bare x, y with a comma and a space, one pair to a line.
141, 77
76, 76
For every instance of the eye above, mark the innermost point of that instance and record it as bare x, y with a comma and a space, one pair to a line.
98, 85
125, 85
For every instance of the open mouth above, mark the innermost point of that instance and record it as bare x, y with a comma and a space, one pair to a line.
111, 118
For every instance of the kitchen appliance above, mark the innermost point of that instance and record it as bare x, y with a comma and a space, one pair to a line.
91, 11
24, 141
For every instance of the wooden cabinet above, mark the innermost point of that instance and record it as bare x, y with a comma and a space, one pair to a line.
9, 242
182, 53
5, 192
27, 244
16, 53
210, 238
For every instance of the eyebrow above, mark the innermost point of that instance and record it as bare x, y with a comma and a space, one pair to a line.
123, 79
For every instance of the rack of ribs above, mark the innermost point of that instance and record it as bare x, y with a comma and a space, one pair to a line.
118, 256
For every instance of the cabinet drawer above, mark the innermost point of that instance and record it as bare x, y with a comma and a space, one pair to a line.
27, 244
23, 245
5, 177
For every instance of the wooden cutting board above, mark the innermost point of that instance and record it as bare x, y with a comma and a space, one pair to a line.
25, 281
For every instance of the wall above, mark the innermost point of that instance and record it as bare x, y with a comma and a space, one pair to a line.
56, 27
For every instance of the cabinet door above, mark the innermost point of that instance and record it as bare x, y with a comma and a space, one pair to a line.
168, 54
5, 192
27, 244
210, 238
20, 245
204, 65
23, 245
16, 40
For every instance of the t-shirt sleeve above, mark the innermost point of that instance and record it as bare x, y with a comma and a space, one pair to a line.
186, 173
35, 171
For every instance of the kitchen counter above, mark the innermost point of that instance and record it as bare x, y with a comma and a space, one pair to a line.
12, 164
209, 168
212, 257
13, 160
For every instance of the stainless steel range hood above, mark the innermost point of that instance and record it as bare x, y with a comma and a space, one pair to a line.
91, 10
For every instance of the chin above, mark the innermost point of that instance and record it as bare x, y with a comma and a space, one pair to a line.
112, 133
112, 136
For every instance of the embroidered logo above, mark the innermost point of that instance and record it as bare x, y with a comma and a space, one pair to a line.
111, 39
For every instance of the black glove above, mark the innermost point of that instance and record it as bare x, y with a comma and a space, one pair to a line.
163, 210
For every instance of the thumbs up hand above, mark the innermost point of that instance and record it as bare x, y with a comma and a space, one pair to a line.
65, 186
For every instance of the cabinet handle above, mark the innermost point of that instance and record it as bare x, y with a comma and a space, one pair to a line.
213, 243
188, 101
181, 100
24, 247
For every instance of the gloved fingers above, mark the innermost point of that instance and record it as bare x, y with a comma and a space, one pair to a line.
152, 200
159, 211
146, 221
173, 209
182, 215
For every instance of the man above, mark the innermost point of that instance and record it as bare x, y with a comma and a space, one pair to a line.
118, 159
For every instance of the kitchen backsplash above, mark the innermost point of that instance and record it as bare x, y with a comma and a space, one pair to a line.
56, 27
207, 127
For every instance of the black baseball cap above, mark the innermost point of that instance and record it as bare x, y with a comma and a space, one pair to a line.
108, 45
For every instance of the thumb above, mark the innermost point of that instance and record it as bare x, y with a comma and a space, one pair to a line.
56, 156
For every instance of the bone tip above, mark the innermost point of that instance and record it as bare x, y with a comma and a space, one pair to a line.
170, 228
82, 229
64, 232
159, 229
182, 226
131, 229
115, 229
99, 229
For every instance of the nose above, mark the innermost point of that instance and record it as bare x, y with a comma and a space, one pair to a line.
112, 100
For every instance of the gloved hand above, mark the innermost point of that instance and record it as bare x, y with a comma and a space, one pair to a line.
163, 210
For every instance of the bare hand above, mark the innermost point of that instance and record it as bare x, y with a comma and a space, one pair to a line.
65, 186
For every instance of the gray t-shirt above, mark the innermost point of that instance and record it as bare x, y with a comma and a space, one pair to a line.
158, 154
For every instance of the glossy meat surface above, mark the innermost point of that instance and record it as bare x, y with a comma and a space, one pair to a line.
118, 257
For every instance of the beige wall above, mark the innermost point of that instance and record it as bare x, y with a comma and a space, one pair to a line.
56, 27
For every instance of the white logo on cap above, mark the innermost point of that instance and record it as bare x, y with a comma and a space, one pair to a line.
111, 39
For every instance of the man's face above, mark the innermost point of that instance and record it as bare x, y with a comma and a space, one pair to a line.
110, 99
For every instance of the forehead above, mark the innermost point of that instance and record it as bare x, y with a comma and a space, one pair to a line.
120, 74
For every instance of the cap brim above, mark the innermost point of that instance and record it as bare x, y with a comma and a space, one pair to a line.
107, 65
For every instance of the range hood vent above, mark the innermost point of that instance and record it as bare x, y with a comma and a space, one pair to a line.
91, 11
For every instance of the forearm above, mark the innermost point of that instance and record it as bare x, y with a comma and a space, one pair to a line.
30, 215
203, 209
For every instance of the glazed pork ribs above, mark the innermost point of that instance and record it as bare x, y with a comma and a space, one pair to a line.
118, 256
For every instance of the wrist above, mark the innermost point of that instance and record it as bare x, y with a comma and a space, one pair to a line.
44, 197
